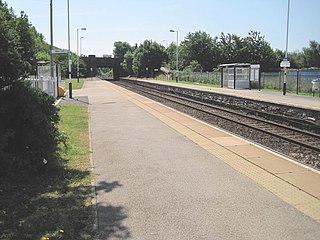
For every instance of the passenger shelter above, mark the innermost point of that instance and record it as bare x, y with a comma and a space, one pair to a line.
240, 75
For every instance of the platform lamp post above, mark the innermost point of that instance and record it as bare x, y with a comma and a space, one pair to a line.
82, 29
81, 46
69, 52
177, 63
285, 61
51, 40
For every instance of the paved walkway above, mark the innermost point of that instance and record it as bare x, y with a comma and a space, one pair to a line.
154, 183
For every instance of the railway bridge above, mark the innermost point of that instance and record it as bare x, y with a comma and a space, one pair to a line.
93, 62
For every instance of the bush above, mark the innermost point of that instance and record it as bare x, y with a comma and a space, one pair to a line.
29, 137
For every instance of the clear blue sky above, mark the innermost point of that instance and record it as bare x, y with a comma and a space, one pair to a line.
134, 21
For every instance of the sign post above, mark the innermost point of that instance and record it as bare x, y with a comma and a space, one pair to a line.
58, 51
285, 63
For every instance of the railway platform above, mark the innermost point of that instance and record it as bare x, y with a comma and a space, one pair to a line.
268, 96
160, 174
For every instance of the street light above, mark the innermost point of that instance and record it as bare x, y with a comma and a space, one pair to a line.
51, 40
69, 53
82, 29
286, 54
81, 46
177, 64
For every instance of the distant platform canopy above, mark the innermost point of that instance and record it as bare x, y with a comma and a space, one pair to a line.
240, 75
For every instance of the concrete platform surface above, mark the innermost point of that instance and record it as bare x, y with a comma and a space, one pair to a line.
160, 182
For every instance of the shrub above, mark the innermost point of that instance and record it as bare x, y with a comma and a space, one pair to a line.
29, 137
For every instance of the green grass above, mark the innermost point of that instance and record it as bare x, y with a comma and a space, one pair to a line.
75, 83
74, 123
57, 205
196, 83
162, 77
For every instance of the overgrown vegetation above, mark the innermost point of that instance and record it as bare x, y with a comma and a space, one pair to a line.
45, 177
57, 205
29, 136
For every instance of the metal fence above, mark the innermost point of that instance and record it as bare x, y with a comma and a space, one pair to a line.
298, 81
45, 82
201, 77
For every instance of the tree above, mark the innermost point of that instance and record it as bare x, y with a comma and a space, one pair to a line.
258, 50
120, 49
21, 46
42, 48
296, 59
147, 57
27, 44
232, 48
29, 136
128, 62
194, 67
199, 47
10, 57
171, 52
311, 55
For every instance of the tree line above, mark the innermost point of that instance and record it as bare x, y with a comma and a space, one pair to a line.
29, 136
201, 52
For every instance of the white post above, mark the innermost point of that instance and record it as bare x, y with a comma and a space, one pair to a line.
78, 51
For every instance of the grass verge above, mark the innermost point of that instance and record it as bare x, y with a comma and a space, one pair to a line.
57, 206
195, 83
75, 83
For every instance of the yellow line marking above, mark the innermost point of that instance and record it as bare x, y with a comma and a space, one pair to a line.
232, 154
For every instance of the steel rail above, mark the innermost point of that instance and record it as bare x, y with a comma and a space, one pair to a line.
299, 143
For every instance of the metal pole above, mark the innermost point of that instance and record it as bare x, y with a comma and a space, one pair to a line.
51, 40
69, 53
297, 81
259, 80
177, 63
81, 46
221, 80
70, 89
77, 54
234, 76
286, 53
57, 75
177, 56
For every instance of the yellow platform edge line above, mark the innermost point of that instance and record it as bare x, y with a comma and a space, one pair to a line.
301, 200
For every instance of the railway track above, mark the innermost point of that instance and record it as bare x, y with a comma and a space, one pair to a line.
298, 144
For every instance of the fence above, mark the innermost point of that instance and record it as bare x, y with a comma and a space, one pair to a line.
213, 78
298, 81
45, 82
